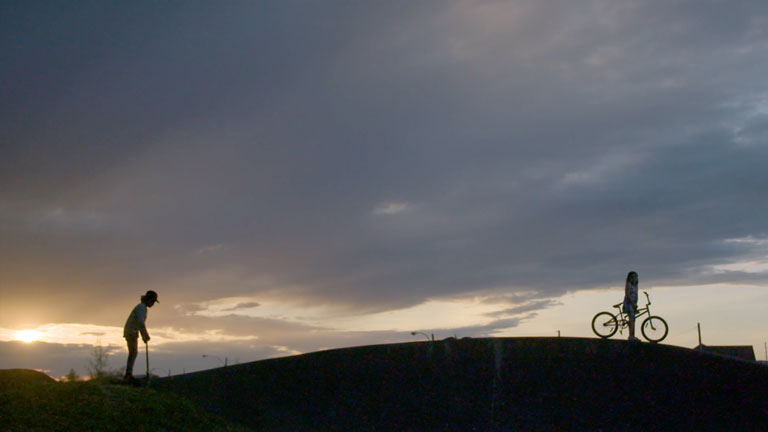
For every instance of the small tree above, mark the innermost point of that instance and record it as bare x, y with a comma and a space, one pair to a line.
97, 365
72, 376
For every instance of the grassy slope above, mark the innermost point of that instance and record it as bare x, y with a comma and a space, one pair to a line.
30, 402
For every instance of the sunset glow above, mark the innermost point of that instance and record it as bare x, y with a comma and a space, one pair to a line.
462, 169
28, 335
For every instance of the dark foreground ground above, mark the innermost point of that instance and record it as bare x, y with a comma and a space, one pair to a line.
33, 401
487, 385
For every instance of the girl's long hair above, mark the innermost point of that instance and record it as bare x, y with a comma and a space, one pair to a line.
629, 276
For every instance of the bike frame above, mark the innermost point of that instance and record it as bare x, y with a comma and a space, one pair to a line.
623, 317
606, 324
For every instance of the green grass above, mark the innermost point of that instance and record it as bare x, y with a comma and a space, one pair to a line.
35, 405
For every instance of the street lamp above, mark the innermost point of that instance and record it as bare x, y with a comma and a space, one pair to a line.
217, 358
424, 334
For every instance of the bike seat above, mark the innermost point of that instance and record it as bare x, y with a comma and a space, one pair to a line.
618, 304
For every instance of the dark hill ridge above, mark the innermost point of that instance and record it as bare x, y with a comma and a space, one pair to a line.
21, 377
488, 384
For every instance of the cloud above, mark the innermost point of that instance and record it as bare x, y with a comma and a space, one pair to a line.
413, 153
246, 305
211, 249
55, 359
487, 330
524, 308
390, 208
189, 309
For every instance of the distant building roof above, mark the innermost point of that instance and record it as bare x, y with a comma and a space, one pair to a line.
744, 352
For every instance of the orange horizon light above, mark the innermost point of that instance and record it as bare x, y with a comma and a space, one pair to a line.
27, 336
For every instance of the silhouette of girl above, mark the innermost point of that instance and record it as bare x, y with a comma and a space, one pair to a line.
630, 302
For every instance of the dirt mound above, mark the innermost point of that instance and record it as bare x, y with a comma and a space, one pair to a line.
488, 384
18, 377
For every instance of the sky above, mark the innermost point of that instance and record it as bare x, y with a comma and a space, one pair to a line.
295, 176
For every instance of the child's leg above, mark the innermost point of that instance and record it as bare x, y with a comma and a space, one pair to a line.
133, 351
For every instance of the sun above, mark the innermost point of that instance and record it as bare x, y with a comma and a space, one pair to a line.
28, 335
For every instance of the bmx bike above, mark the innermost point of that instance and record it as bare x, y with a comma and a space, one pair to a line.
654, 328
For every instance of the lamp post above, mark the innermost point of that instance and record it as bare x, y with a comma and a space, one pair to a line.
217, 358
424, 334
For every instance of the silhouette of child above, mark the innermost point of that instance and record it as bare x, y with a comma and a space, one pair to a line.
630, 302
136, 324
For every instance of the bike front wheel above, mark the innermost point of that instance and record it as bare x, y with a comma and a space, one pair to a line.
605, 325
654, 329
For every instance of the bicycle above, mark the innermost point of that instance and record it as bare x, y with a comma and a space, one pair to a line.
654, 328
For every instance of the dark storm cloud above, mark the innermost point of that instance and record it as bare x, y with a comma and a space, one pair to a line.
374, 155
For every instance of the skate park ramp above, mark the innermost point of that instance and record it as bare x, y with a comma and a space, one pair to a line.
487, 385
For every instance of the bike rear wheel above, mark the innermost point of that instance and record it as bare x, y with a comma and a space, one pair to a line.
654, 329
605, 325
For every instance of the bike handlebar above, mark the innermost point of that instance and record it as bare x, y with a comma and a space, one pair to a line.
646, 297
